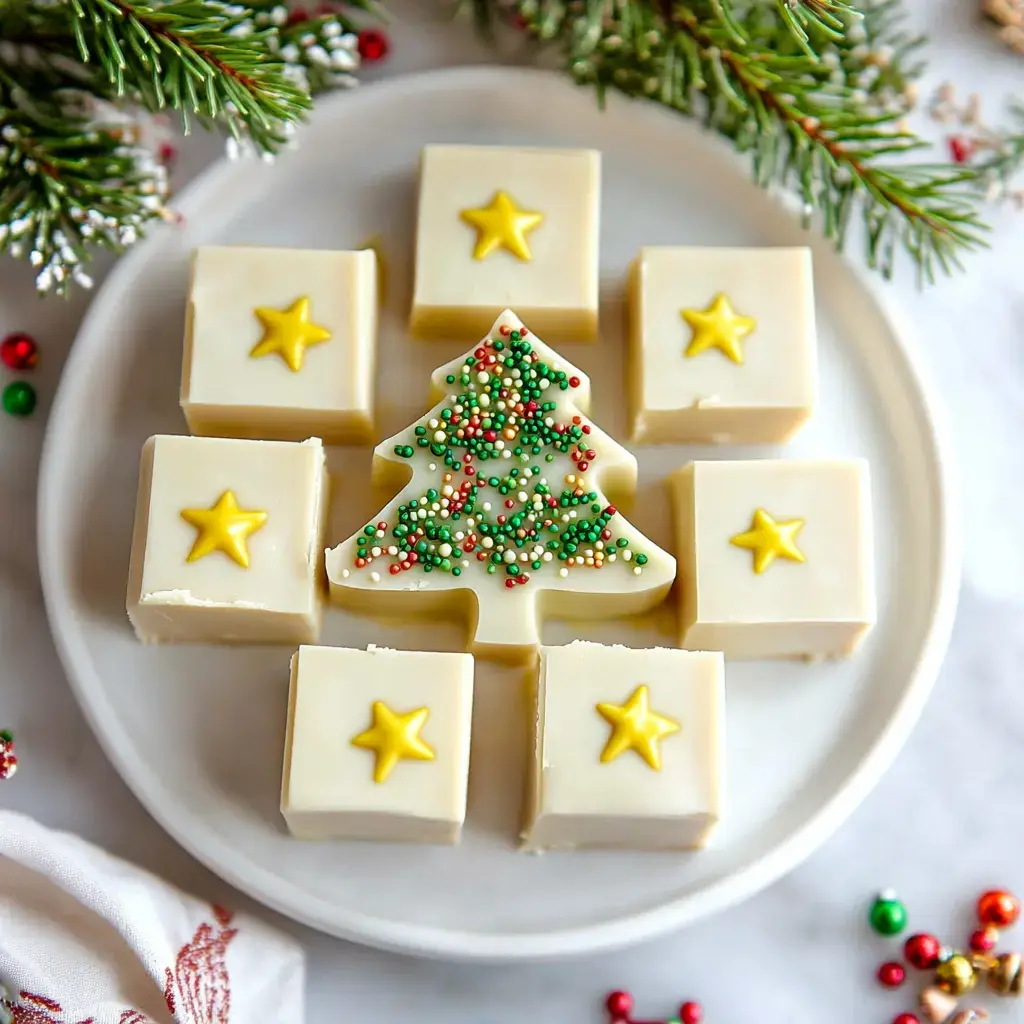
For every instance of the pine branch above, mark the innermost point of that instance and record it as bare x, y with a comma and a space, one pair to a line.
68, 183
816, 107
197, 56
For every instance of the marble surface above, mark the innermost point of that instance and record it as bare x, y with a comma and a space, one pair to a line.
942, 825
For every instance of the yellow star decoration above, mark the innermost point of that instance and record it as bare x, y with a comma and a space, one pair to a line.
502, 225
288, 332
719, 326
769, 540
636, 727
394, 737
224, 527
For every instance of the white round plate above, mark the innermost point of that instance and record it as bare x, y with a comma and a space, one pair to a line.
197, 731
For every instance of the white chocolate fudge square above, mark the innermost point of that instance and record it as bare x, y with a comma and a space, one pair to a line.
377, 745
776, 556
722, 344
280, 343
504, 227
227, 541
628, 748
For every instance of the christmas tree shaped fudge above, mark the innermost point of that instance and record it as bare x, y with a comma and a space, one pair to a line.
506, 512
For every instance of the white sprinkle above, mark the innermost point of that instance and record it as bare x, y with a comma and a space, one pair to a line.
483, 377
484, 400
506, 454
487, 542
439, 435
345, 574
444, 550
627, 554
637, 570
375, 577
487, 506
523, 496
547, 556
563, 572
544, 384
393, 550
434, 424
432, 467
509, 556
375, 552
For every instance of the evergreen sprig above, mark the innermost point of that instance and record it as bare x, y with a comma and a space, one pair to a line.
73, 74
813, 91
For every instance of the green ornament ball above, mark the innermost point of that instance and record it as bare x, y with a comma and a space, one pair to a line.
888, 916
19, 398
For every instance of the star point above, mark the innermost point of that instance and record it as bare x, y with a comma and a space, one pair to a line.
223, 527
394, 737
502, 225
288, 333
770, 539
636, 727
719, 326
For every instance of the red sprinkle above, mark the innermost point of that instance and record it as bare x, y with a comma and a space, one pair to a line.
470, 470
583, 466
509, 503
510, 582
892, 974
574, 382
585, 428
610, 510
394, 568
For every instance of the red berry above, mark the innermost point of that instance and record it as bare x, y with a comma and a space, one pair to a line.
922, 951
892, 974
961, 149
620, 1005
18, 351
691, 1013
905, 1018
374, 45
998, 907
984, 939
297, 16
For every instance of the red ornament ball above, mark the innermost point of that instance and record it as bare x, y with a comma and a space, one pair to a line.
984, 939
19, 352
922, 951
999, 907
905, 1018
373, 45
892, 974
691, 1013
620, 1005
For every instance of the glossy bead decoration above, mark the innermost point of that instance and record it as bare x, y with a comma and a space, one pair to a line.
1005, 977
18, 351
905, 1018
892, 974
983, 940
19, 398
956, 975
691, 1013
998, 907
619, 1005
373, 45
922, 951
888, 915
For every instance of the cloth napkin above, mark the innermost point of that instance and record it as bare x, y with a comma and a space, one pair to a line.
86, 938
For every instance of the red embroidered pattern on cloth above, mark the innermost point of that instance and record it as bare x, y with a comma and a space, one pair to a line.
197, 989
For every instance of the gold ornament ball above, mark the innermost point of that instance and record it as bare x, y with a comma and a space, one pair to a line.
1005, 977
956, 975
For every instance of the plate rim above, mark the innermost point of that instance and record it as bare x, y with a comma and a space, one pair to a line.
609, 934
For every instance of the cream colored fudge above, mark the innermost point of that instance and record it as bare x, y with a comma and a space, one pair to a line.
281, 343
510, 514
722, 344
776, 557
227, 541
501, 227
377, 745
628, 748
